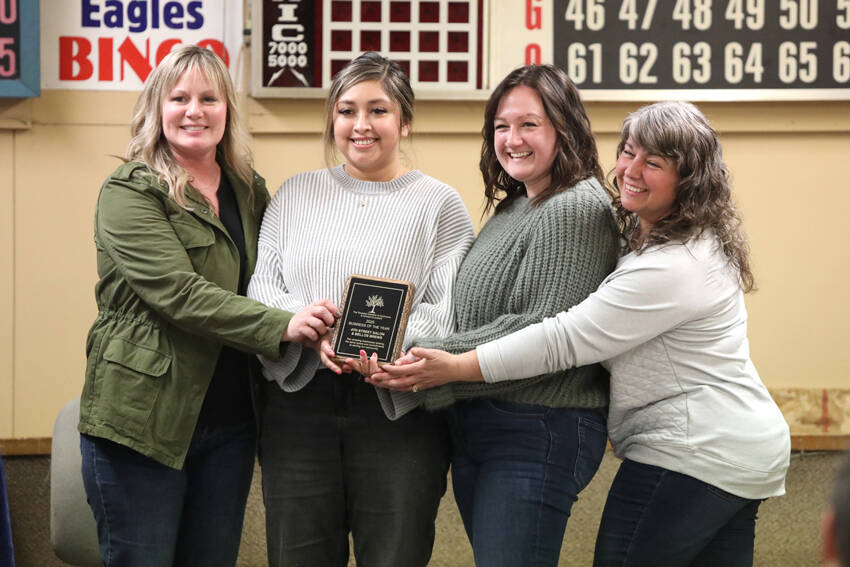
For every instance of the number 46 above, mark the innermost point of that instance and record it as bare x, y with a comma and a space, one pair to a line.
590, 12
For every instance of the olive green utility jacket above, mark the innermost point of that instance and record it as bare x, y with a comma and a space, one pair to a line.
166, 306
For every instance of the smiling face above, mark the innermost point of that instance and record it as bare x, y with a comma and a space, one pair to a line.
194, 115
524, 139
367, 128
647, 184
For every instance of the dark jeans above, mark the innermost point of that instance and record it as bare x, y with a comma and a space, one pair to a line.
654, 516
333, 463
517, 469
151, 515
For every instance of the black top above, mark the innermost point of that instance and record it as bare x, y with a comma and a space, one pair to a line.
228, 399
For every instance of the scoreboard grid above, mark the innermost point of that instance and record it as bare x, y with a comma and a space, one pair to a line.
435, 42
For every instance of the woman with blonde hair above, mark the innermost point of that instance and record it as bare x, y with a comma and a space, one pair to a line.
168, 433
337, 455
702, 440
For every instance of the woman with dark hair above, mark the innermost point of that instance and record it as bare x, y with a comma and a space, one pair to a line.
703, 442
337, 455
168, 433
523, 450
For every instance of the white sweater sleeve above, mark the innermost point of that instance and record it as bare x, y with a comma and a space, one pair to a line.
644, 297
267, 285
434, 315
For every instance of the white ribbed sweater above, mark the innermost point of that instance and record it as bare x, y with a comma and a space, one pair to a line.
316, 232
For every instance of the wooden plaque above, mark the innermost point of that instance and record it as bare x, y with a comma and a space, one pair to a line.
374, 318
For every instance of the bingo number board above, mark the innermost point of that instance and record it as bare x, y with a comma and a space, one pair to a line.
711, 49
298, 46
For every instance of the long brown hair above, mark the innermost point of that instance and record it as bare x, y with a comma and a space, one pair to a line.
576, 158
679, 131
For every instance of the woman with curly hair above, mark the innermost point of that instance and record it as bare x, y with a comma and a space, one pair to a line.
703, 442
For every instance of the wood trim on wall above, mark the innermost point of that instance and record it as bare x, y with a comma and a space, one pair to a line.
28, 446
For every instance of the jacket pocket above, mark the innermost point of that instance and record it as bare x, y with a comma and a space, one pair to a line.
137, 357
196, 238
132, 376
192, 233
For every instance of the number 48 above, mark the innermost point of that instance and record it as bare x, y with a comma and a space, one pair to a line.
700, 15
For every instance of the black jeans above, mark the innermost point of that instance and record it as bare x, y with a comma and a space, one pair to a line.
655, 516
332, 463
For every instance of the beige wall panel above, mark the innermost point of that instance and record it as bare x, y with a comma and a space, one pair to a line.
794, 199
85, 108
453, 159
59, 170
278, 157
775, 117
7, 289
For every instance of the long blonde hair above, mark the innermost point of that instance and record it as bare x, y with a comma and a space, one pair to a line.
148, 144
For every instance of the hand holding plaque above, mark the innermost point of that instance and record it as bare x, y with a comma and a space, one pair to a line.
374, 318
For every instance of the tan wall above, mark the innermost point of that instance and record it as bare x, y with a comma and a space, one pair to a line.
788, 162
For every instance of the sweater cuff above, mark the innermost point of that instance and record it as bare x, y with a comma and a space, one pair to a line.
429, 342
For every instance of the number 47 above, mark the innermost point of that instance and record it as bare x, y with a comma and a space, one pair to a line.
629, 14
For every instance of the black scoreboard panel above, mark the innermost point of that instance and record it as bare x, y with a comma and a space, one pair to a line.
300, 45
703, 44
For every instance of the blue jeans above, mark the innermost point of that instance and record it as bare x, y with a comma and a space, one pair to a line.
333, 463
517, 469
654, 516
151, 515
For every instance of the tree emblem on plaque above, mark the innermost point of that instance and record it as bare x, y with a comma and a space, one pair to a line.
374, 301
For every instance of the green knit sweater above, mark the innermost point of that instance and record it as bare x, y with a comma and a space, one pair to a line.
528, 263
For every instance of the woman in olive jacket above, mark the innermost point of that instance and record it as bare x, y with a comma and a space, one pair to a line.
168, 435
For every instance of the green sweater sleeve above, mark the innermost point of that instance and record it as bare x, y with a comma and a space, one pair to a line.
132, 227
571, 247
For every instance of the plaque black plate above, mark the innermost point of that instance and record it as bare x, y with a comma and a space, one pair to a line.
374, 318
